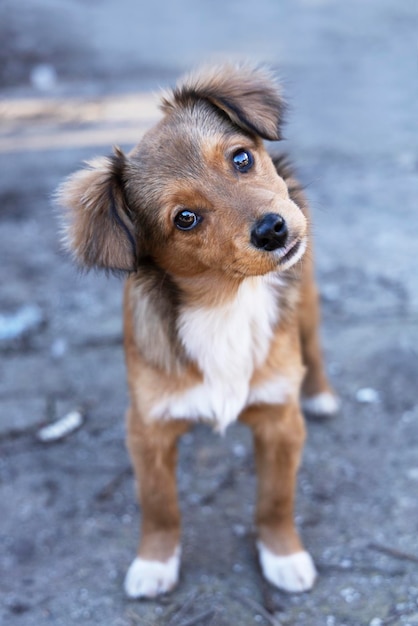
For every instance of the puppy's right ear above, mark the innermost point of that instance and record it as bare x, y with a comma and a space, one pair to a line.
98, 229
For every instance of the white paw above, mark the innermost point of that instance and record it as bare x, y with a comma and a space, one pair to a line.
147, 579
294, 573
324, 404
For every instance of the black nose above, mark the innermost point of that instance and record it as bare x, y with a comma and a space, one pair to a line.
269, 232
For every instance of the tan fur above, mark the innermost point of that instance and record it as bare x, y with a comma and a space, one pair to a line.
250, 97
120, 216
98, 220
154, 454
309, 317
279, 434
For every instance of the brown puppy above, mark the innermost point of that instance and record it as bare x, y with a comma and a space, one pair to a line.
221, 312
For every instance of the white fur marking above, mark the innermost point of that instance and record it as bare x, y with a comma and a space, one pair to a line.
147, 579
227, 342
294, 573
325, 404
275, 391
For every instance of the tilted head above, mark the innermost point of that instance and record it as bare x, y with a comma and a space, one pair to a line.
198, 193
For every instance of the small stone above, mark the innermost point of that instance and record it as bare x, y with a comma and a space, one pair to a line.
239, 530
16, 325
43, 77
239, 450
58, 348
83, 595
349, 594
407, 161
193, 498
412, 473
61, 428
330, 293
409, 416
367, 395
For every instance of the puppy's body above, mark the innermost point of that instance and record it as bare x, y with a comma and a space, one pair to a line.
220, 315
222, 356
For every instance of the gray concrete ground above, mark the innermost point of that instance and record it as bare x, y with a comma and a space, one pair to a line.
68, 523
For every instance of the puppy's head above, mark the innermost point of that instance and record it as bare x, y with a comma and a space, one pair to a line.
199, 192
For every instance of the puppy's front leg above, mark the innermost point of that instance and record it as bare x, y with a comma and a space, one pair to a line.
318, 398
279, 434
153, 450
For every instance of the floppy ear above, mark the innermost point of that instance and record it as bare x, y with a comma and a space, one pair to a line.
248, 95
97, 226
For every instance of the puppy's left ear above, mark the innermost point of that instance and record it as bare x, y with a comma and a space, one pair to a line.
249, 96
98, 229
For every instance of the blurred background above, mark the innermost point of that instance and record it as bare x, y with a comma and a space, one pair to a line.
78, 76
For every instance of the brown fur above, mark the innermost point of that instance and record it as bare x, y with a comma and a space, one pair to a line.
120, 216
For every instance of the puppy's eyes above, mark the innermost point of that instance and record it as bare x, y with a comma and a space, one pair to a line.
243, 160
186, 220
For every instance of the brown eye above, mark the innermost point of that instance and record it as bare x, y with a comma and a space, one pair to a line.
186, 220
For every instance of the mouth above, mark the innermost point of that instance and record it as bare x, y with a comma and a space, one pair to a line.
292, 252
280, 259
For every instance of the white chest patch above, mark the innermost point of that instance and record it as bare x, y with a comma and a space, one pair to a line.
227, 342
